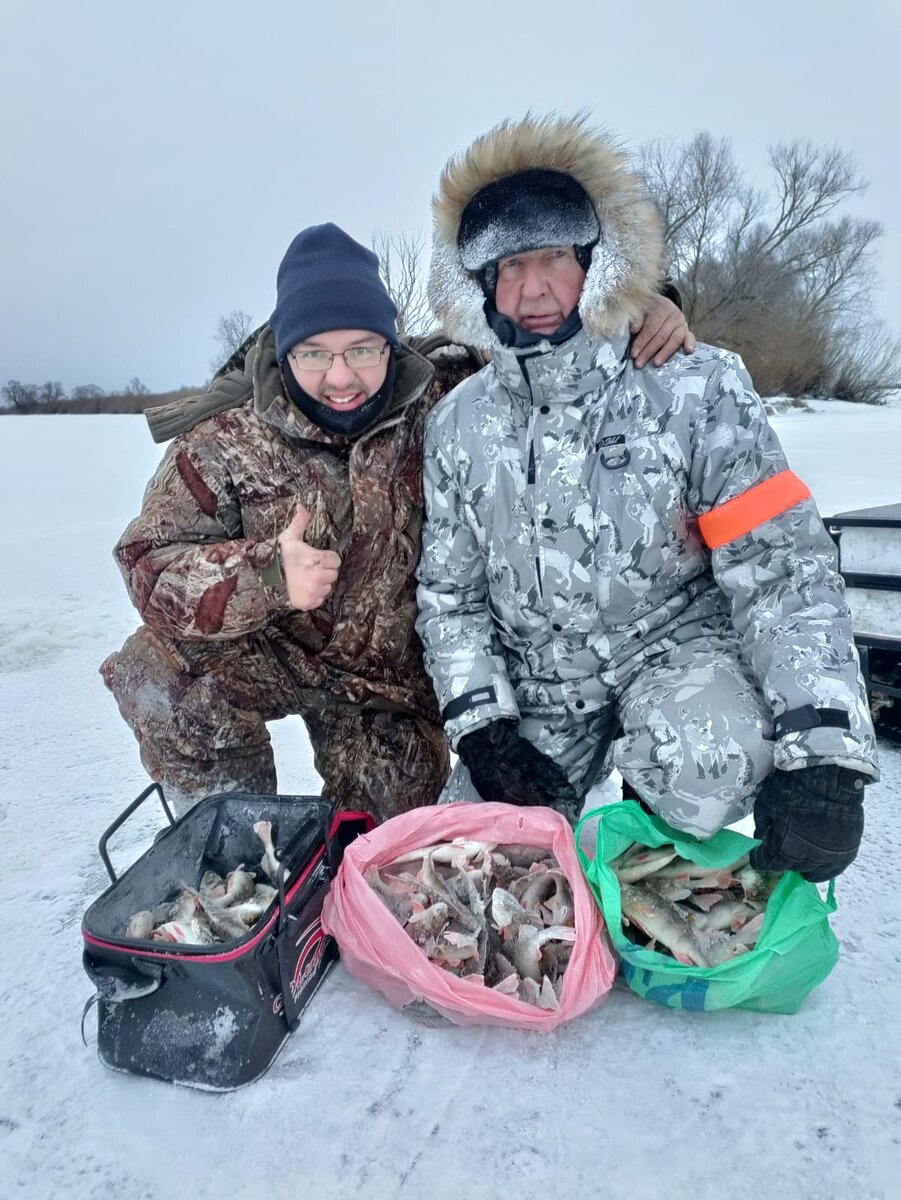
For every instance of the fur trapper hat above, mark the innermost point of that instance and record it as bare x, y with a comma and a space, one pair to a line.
626, 262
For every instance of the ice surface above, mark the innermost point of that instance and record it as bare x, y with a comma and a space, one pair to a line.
631, 1101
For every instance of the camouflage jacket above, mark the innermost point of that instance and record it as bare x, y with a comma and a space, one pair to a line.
565, 542
199, 559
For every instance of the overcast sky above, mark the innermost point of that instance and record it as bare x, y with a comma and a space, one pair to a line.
157, 158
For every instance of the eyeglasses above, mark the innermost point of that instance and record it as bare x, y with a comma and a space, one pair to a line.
321, 360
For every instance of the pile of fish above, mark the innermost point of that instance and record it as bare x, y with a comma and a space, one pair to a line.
218, 910
502, 914
702, 916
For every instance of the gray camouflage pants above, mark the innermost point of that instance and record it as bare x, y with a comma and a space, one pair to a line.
199, 712
693, 727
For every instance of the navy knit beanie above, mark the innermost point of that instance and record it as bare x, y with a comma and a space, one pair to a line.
328, 281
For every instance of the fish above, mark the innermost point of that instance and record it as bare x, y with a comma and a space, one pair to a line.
647, 861
212, 884
723, 952
547, 996
661, 920
528, 945
702, 900
757, 885
426, 925
264, 893
529, 992
695, 875
470, 926
524, 856
269, 863
219, 909
703, 916
222, 921
455, 947
248, 911
140, 925
555, 958
748, 933
239, 886
193, 932
435, 887
559, 906
508, 914
399, 905
185, 906
459, 850
726, 914
508, 985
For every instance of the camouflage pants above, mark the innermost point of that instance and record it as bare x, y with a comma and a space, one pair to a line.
693, 729
199, 712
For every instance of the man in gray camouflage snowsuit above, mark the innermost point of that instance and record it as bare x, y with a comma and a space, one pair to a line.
255, 609
616, 558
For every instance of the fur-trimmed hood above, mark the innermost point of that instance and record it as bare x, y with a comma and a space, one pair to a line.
627, 262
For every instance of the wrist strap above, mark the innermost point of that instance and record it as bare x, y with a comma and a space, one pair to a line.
808, 717
473, 699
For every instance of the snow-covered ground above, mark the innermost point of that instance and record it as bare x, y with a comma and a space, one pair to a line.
631, 1102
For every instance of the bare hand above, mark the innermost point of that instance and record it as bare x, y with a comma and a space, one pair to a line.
663, 332
310, 574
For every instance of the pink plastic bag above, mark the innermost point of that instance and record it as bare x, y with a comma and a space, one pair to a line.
377, 950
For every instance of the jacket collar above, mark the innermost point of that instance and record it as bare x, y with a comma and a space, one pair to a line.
562, 373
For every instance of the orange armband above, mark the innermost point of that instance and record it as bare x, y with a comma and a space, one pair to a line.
758, 504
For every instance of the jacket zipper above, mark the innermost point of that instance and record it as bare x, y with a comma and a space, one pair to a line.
530, 473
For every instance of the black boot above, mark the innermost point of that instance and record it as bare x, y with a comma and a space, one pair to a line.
629, 793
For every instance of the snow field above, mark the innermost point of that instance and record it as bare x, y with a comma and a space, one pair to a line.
631, 1101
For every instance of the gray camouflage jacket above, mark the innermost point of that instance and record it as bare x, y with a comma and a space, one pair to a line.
578, 514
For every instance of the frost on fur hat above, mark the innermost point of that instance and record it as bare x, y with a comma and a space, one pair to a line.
526, 211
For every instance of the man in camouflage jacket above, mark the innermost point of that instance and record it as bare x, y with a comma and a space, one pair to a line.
615, 556
224, 649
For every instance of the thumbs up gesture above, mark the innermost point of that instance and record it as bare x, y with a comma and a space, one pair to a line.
310, 574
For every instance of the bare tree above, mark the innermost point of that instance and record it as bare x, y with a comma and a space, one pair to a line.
400, 262
231, 333
868, 369
777, 276
51, 393
20, 397
86, 391
134, 387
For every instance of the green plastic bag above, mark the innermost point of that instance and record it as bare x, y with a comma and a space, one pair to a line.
796, 949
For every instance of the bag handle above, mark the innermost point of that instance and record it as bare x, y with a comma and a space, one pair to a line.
123, 817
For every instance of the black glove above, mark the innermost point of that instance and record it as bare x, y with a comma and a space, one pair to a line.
810, 821
504, 766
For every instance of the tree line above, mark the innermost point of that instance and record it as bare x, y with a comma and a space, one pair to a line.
52, 397
782, 275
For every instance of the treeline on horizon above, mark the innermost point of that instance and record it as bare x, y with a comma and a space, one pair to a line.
51, 397
781, 275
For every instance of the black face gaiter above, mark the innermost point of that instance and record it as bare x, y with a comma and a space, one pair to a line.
350, 424
514, 337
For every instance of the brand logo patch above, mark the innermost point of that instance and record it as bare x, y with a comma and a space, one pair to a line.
312, 943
